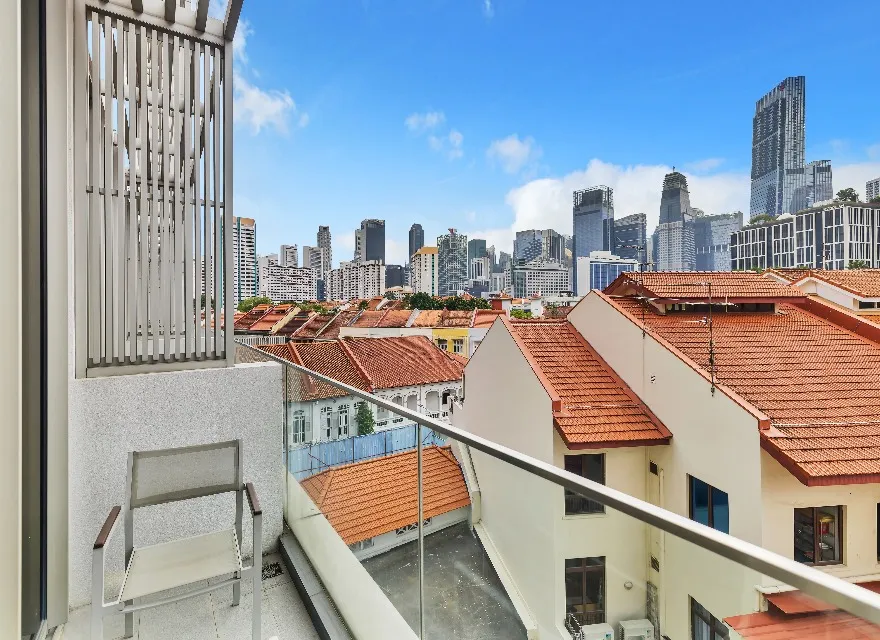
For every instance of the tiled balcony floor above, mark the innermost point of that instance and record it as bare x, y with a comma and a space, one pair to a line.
212, 616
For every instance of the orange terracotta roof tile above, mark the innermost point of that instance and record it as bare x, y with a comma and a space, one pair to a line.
684, 285
864, 283
818, 383
789, 275
368, 319
244, 322
320, 357
595, 407
289, 325
403, 361
394, 318
455, 318
484, 318
374, 303
818, 626
271, 317
313, 326
366, 499
428, 318
557, 312
342, 319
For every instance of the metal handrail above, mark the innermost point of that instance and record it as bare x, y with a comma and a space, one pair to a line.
830, 589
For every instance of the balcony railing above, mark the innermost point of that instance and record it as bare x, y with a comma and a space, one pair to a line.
469, 539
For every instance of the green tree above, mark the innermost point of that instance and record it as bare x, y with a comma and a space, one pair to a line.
422, 301
848, 195
520, 314
875, 199
249, 303
363, 305
858, 264
364, 419
761, 217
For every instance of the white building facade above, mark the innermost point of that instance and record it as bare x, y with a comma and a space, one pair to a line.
280, 283
539, 277
356, 280
289, 255
600, 269
425, 271
244, 257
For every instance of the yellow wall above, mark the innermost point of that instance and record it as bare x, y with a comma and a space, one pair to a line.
449, 335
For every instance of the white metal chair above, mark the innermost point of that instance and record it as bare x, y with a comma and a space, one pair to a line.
169, 475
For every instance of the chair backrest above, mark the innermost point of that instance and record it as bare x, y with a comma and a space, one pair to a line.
167, 475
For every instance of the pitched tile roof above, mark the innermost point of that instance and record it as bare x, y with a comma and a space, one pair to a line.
484, 318
789, 275
366, 499
244, 322
818, 383
818, 626
595, 408
342, 319
394, 318
368, 319
312, 327
864, 283
684, 285
557, 312
455, 318
428, 318
323, 357
371, 363
272, 316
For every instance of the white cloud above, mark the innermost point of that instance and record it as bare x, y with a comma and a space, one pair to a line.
512, 153
239, 44
854, 175
303, 120
450, 144
488, 9
704, 166
395, 252
422, 122
260, 108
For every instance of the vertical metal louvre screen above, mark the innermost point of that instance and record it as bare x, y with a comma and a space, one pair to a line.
154, 232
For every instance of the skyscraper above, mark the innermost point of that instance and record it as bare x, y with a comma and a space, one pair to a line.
674, 246
289, 255
369, 241
416, 239
546, 244
593, 224
712, 240
872, 189
631, 236
424, 271
452, 263
476, 249
324, 242
778, 141
393, 276
245, 278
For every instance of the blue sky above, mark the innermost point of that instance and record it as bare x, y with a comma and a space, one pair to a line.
484, 115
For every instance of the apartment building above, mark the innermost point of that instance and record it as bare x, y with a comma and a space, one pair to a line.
872, 189
425, 271
323, 413
600, 269
539, 277
244, 252
604, 392
289, 255
279, 283
830, 236
356, 280
452, 264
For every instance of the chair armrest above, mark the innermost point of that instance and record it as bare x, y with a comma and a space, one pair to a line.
252, 499
107, 529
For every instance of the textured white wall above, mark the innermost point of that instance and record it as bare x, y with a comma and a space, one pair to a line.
111, 416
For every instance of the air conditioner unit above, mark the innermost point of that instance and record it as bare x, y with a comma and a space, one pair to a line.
597, 632
636, 630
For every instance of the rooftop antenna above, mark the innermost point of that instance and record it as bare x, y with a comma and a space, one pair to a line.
642, 249
708, 320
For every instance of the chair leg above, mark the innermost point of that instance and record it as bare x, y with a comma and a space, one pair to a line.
236, 593
131, 622
97, 623
256, 632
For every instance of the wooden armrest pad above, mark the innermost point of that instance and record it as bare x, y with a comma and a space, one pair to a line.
252, 499
101, 540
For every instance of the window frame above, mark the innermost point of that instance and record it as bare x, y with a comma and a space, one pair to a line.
583, 570
595, 508
342, 425
327, 421
716, 625
458, 345
816, 541
710, 503
298, 426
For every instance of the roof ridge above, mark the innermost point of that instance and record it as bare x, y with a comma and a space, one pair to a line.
325, 488
627, 390
356, 363
555, 398
328, 323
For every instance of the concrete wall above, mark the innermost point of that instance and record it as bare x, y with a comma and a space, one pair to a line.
714, 439
518, 511
109, 417
621, 539
364, 607
783, 493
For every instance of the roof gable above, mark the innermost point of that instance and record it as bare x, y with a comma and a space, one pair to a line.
694, 285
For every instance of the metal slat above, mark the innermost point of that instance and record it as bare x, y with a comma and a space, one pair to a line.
82, 178
94, 320
197, 207
166, 246
190, 272
132, 252
177, 282
209, 263
218, 346
119, 211
154, 161
228, 218
109, 202
143, 198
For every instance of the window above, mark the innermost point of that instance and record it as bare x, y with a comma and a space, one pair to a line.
867, 305
441, 342
705, 626
298, 427
818, 535
343, 421
708, 505
326, 422
412, 402
585, 589
592, 467
432, 400
458, 345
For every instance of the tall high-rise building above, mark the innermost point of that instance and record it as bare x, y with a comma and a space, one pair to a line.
325, 243
539, 277
289, 255
631, 237
712, 240
425, 271
369, 241
593, 223
476, 249
674, 245
504, 260
816, 186
316, 258
393, 276
452, 263
416, 239
245, 278
872, 189
545, 244
356, 280
778, 143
